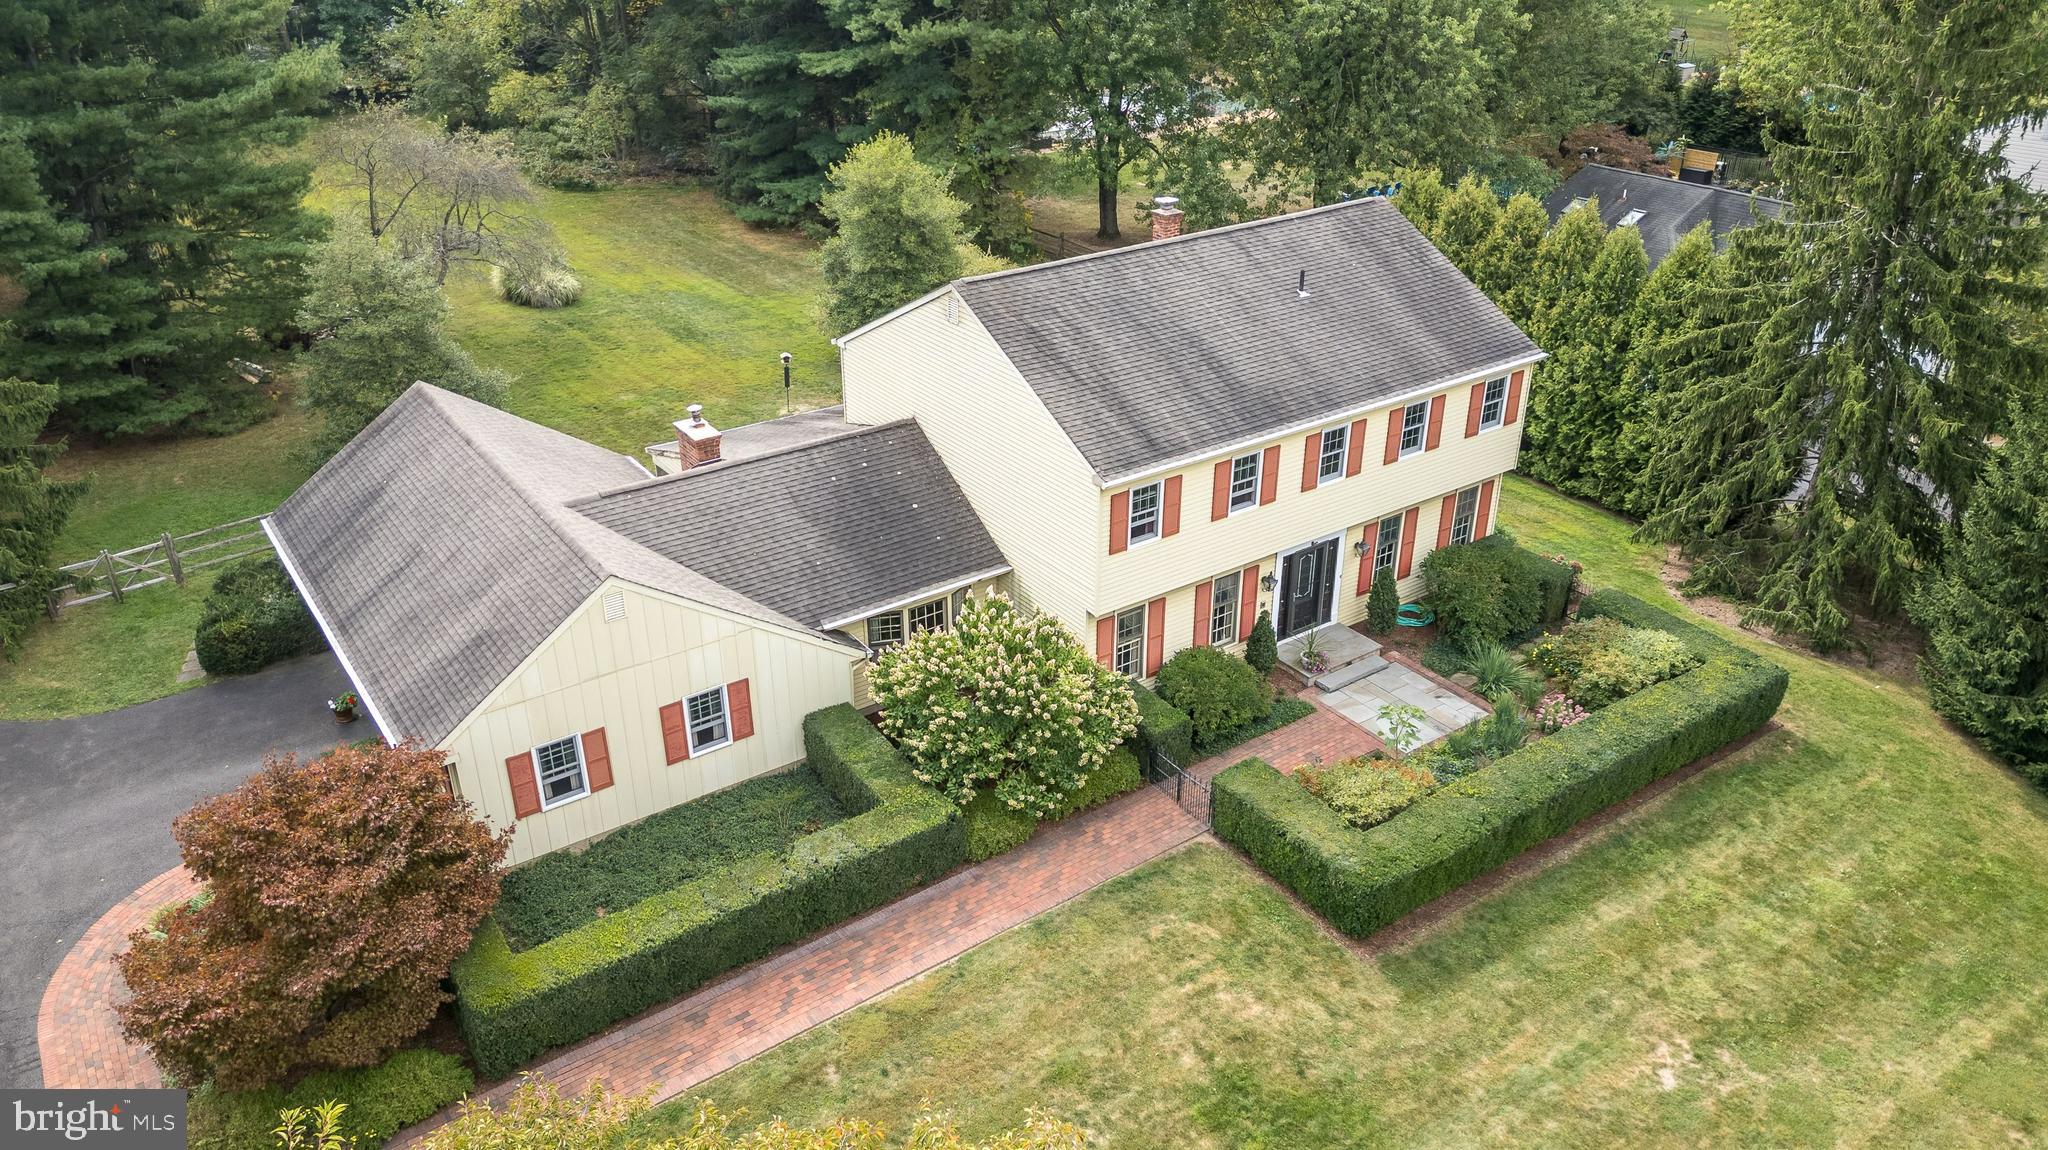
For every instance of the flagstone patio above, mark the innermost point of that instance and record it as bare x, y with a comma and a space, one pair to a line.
1444, 708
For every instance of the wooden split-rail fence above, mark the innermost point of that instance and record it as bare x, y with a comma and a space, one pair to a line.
171, 559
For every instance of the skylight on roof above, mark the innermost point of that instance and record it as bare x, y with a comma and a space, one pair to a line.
1633, 216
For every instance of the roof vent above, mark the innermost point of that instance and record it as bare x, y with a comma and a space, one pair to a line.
1301, 285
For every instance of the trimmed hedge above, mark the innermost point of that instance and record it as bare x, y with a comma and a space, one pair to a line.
1162, 727
410, 1086
993, 828
253, 617
1363, 880
900, 834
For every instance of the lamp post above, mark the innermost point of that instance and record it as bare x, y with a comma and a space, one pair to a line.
785, 383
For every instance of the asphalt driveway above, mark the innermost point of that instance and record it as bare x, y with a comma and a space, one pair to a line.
88, 806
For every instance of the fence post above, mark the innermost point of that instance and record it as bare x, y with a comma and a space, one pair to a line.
171, 554
113, 577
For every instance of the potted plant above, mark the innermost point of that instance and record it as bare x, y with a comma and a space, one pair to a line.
344, 706
1314, 661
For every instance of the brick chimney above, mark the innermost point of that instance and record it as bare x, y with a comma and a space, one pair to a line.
696, 440
1166, 217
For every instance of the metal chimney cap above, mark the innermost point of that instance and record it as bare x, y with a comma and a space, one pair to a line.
696, 413
1165, 203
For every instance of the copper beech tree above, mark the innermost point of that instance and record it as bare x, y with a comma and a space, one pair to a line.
342, 888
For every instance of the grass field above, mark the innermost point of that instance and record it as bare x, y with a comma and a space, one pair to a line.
1706, 22
1828, 939
105, 655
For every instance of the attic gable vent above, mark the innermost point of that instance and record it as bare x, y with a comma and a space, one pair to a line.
952, 308
614, 606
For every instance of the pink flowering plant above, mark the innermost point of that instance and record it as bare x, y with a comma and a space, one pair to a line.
1003, 700
1556, 711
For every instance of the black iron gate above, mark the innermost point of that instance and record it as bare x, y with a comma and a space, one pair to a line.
1187, 790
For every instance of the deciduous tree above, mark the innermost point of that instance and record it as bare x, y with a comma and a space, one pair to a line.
899, 232
339, 890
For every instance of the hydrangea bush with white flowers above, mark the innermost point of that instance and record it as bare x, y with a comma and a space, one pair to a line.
1003, 699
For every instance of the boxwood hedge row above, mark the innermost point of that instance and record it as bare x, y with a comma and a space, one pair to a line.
901, 833
1363, 880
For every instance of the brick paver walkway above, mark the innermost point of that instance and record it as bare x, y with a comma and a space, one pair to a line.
77, 1034
1324, 735
675, 1047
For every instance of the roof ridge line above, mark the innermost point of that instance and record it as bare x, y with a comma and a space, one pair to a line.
728, 465
1723, 188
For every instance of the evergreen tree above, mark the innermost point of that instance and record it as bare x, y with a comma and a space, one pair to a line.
1588, 335
32, 506
899, 233
1469, 215
1879, 333
1502, 264
1557, 310
385, 317
1666, 313
1986, 610
155, 124
1262, 647
1382, 604
781, 124
1421, 198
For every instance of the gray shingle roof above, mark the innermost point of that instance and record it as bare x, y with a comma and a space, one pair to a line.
1670, 208
439, 550
1166, 350
771, 435
820, 531
2026, 155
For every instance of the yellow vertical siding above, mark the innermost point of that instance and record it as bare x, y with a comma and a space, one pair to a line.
617, 675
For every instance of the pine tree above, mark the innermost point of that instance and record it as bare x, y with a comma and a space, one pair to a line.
1501, 265
1666, 313
1558, 290
32, 506
1879, 337
899, 233
1382, 604
1588, 336
155, 123
1986, 610
780, 125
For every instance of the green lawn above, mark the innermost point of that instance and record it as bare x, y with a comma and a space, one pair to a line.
1706, 21
1829, 939
105, 655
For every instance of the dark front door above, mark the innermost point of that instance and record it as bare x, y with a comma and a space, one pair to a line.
1308, 585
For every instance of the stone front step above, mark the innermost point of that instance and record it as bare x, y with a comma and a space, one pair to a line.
1350, 673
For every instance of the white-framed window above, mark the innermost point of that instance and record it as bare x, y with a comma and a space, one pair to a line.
1414, 427
1244, 480
885, 630
558, 768
928, 616
1388, 547
1493, 405
1463, 514
1223, 609
1144, 518
704, 716
1330, 459
1127, 653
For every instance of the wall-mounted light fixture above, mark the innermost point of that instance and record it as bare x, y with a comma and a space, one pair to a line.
1269, 583
1359, 548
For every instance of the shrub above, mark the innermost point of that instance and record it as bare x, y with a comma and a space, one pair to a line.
1557, 711
1362, 880
1497, 674
1383, 605
342, 890
1262, 648
992, 828
999, 698
410, 1086
1284, 710
1162, 727
1636, 660
551, 286
900, 834
1219, 691
1118, 775
1366, 791
1561, 655
253, 617
1494, 737
1492, 591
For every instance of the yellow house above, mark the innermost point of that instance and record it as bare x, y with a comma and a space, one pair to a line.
592, 644
1166, 439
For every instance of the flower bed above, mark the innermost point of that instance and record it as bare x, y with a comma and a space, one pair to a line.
900, 834
1362, 880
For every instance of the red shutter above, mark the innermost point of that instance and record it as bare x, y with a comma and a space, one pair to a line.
1269, 475
739, 706
1394, 423
1105, 638
1311, 459
1203, 602
1119, 521
1408, 542
1247, 604
1485, 508
1219, 499
1514, 398
1472, 409
1443, 520
597, 759
1436, 424
1354, 452
1155, 635
1169, 519
1371, 539
525, 787
675, 741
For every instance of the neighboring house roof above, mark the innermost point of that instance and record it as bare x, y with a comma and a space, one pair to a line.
1669, 208
843, 522
438, 551
1167, 351
770, 435
2026, 155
